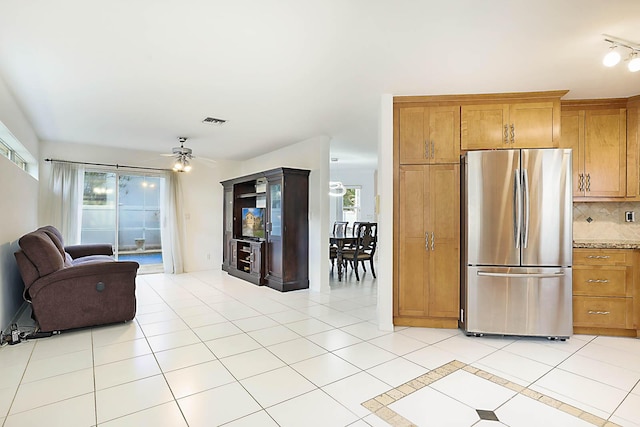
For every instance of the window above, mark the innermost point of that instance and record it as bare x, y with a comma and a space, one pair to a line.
351, 204
4, 150
12, 155
13, 150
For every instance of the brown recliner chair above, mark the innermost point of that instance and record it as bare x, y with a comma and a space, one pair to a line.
74, 286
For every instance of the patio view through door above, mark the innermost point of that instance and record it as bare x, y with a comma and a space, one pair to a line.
127, 206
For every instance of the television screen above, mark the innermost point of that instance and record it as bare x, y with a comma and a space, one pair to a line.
253, 222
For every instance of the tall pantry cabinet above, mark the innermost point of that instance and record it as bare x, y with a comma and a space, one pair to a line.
426, 214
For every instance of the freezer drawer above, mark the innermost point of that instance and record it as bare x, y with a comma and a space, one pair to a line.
518, 301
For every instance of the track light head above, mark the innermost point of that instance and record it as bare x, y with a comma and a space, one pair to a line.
611, 58
634, 62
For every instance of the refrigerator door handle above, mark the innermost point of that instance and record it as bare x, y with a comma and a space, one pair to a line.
517, 209
527, 207
522, 275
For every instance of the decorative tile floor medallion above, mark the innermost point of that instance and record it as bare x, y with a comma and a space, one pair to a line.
379, 405
487, 415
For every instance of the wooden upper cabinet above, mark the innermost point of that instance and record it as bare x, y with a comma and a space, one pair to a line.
513, 125
597, 135
605, 153
483, 127
633, 147
429, 135
532, 125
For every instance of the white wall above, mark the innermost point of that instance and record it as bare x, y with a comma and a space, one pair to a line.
312, 154
18, 206
385, 215
202, 194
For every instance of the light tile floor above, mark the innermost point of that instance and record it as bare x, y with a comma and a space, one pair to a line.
207, 349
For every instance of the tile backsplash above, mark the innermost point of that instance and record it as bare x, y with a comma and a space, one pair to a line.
607, 221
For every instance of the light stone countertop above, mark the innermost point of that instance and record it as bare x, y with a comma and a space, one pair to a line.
606, 244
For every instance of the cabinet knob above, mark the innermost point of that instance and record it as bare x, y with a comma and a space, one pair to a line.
433, 241
513, 134
588, 182
506, 134
597, 281
426, 240
598, 256
602, 313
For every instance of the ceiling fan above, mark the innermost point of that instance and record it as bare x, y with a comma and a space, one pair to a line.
183, 156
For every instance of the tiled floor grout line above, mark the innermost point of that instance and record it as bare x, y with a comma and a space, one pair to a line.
231, 373
379, 405
286, 364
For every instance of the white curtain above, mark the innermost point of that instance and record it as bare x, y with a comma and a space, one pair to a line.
65, 201
171, 230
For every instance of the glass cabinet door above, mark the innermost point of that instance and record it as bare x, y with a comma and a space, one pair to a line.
228, 210
275, 208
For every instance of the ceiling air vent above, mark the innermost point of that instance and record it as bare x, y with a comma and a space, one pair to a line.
214, 121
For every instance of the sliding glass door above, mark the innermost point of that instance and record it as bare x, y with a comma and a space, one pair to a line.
123, 209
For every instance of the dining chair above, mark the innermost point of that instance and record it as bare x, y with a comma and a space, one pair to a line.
365, 247
351, 248
339, 228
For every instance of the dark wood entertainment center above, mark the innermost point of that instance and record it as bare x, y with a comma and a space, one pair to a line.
276, 252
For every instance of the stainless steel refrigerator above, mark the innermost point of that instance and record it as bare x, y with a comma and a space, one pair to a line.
517, 243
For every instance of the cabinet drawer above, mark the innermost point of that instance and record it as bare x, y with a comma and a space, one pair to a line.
602, 312
600, 281
602, 257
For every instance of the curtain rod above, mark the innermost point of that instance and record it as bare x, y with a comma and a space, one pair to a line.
117, 166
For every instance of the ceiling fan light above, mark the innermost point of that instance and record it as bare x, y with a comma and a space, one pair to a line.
187, 166
178, 166
634, 63
611, 58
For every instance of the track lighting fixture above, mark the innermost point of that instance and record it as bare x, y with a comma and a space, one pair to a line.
613, 56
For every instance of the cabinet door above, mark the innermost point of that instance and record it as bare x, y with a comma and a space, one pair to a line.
444, 134
483, 127
227, 232
605, 153
531, 125
274, 227
429, 135
414, 135
428, 258
413, 255
444, 265
256, 259
572, 136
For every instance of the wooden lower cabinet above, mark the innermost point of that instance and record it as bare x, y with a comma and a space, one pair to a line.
427, 284
605, 296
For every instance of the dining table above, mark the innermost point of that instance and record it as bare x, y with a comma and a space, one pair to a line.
340, 241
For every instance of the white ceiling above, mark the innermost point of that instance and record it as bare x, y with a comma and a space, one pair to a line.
140, 73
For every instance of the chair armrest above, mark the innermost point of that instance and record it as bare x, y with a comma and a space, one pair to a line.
77, 251
85, 274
